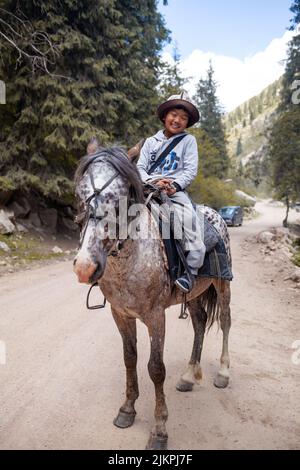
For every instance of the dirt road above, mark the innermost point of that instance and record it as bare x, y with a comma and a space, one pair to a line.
63, 380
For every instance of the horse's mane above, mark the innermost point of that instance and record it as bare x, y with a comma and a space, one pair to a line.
118, 158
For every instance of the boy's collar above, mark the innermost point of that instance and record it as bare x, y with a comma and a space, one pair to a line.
161, 136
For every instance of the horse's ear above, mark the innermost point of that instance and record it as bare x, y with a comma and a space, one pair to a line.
93, 146
134, 152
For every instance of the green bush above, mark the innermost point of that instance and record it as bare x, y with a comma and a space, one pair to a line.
296, 258
214, 193
6, 184
55, 188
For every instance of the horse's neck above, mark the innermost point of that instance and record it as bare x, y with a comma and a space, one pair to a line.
143, 237
141, 256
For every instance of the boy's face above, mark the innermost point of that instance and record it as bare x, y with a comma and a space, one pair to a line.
176, 121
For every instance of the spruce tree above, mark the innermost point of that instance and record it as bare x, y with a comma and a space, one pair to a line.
171, 80
211, 122
285, 157
257, 169
102, 83
209, 161
295, 8
251, 115
239, 147
291, 78
240, 170
292, 70
285, 140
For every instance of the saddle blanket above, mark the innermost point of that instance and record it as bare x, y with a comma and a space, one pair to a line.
216, 263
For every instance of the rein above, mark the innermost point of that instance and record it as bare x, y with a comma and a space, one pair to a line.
91, 213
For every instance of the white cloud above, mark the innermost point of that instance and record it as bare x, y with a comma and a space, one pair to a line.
238, 80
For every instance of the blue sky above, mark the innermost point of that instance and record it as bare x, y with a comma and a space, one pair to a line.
237, 28
246, 40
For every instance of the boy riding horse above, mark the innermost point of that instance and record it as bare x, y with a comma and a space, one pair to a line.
170, 159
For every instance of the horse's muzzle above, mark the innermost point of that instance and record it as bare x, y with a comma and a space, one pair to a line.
96, 276
87, 272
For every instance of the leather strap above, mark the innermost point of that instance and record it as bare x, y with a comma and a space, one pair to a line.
165, 153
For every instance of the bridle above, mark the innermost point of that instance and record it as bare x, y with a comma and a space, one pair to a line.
90, 211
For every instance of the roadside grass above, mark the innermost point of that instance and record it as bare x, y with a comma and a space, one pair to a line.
26, 248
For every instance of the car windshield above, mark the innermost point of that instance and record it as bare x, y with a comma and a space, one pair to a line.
227, 211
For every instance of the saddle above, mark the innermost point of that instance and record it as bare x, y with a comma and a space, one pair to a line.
216, 262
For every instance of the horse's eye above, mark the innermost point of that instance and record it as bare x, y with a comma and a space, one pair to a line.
79, 219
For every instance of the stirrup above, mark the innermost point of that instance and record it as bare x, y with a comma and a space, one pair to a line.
184, 283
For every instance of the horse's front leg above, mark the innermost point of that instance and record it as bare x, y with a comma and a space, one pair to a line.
159, 437
127, 328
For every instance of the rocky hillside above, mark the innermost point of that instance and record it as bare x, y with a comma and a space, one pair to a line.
247, 126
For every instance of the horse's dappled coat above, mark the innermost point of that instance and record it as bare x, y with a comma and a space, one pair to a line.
137, 285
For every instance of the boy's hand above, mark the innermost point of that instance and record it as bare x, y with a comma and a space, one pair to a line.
163, 183
171, 190
166, 185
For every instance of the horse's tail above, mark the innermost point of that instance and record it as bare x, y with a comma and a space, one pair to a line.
210, 303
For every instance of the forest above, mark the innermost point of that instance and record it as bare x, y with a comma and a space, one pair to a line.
83, 69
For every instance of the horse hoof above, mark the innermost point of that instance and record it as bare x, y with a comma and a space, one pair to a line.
184, 386
221, 381
157, 442
124, 420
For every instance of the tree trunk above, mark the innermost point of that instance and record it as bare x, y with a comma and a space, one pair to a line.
285, 222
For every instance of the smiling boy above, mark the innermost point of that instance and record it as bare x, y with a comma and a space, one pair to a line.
175, 171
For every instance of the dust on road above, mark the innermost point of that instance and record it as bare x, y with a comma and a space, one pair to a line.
63, 380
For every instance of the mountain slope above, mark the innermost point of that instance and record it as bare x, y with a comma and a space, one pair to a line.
248, 125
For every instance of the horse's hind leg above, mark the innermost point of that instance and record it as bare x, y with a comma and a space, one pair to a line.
158, 437
194, 374
127, 328
222, 378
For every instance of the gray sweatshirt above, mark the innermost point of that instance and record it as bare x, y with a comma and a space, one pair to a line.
181, 164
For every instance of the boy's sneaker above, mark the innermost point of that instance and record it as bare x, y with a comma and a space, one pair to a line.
184, 283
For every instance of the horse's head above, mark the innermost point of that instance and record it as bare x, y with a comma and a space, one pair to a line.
102, 181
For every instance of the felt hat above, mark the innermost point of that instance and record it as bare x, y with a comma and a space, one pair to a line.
179, 100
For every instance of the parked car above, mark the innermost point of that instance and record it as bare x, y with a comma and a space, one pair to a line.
233, 215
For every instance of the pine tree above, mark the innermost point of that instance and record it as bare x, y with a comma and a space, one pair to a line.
211, 122
239, 147
285, 139
292, 74
102, 83
209, 161
140, 69
257, 169
171, 80
240, 170
285, 157
295, 8
251, 115
292, 70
